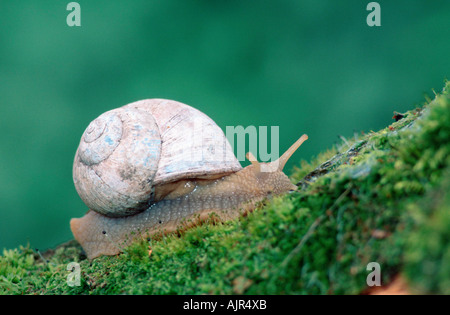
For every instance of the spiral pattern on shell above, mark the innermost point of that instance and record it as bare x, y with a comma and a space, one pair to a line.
116, 162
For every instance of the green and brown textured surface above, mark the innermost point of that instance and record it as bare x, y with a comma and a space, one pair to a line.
380, 197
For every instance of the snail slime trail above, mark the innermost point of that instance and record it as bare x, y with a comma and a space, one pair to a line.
134, 170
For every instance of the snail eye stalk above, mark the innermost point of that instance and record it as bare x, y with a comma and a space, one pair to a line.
286, 155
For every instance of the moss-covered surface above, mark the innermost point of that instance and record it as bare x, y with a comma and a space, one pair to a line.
381, 197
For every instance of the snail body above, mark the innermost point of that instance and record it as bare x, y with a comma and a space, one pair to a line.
151, 175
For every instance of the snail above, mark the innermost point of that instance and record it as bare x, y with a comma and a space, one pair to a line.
158, 165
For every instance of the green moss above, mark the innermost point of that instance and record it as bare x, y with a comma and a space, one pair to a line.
381, 197
427, 254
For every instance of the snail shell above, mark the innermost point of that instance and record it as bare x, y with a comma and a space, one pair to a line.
133, 156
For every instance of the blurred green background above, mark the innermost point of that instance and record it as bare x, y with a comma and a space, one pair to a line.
310, 67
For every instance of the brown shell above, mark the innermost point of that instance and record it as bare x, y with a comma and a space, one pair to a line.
126, 152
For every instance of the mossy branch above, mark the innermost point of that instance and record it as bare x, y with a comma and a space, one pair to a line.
382, 197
